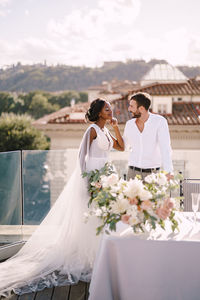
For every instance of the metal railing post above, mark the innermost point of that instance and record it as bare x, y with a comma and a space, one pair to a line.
181, 192
22, 187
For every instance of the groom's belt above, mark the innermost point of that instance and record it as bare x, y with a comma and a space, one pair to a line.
144, 170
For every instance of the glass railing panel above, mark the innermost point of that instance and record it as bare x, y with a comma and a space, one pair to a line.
10, 197
44, 176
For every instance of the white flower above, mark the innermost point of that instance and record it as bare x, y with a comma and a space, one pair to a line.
120, 196
98, 212
133, 220
110, 180
133, 188
119, 206
150, 178
144, 195
115, 188
103, 179
161, 191
132, 210
113, 194
161, 178
122, 182
176, 203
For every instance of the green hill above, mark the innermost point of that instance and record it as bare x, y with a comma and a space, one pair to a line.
26, 78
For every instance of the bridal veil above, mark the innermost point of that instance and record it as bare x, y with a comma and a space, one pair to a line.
62, 249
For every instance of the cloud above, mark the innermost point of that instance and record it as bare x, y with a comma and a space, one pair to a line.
31, 50
108, 32
4, 3
103, 21
193, 55
9, 52
90, 36
3, 10
27, 12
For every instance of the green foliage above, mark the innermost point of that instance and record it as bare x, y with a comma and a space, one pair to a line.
6, 102
94, 176
17, 133
40, 106
65, 98
83, 97
38, 103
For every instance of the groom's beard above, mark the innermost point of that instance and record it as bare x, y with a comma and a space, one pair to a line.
136, 115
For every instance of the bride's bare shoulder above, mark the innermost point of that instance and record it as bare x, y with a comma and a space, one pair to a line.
93, 134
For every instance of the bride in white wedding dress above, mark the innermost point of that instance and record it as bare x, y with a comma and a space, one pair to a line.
62, 249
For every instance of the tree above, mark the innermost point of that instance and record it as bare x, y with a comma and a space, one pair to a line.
17, 133
6, 102
40, 106
83, 96
65, 98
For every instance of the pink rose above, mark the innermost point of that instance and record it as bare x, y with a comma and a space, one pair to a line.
97, 185
163, 213
125, 219
146, 205
133, 201
168, 204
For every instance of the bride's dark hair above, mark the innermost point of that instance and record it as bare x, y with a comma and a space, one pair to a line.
95, 108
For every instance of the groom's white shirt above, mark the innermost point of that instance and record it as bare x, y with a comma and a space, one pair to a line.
150, 148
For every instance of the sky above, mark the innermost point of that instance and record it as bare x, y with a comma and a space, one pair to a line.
89, 32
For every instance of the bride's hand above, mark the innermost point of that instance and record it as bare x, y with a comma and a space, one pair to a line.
114, 122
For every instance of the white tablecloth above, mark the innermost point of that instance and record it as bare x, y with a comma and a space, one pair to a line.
131, 268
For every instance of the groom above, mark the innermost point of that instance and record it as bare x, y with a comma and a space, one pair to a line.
148, 137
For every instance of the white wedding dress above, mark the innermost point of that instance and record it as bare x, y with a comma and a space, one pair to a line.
62, 249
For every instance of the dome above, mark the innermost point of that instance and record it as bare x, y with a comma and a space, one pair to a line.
163, 73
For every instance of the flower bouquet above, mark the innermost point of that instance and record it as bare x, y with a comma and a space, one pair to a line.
134, 202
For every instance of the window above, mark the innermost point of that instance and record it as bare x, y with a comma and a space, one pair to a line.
162, 108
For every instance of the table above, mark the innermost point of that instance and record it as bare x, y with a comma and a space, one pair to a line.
130, 268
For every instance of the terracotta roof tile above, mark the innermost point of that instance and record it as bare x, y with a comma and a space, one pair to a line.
183, 113
190, 87
63, 115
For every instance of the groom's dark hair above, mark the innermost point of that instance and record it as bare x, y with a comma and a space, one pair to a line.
142, 99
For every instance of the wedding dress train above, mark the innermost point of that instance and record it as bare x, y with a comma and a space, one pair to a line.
62, 249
